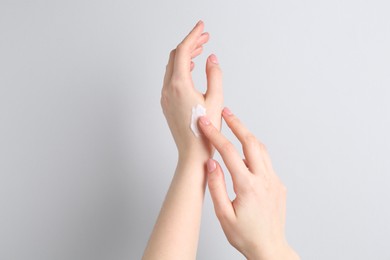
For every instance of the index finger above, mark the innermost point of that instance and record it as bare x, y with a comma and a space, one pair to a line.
229, 154
254, 151
250, 144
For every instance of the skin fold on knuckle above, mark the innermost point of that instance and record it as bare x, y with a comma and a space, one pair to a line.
209, 131
234, 122
250, 188
176, 86
251, 141
214, 182
227, 147
164, 99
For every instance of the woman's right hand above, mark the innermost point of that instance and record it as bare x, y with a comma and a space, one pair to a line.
254, 222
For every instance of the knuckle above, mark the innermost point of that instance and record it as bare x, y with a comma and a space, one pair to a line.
175, 83
213, 184
164, 98
163, 94
209, 131
252, 186
227, 147
250, 139
234, 121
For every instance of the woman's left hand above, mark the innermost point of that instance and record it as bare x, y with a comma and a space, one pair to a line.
179, 94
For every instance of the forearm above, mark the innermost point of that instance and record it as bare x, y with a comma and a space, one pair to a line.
176, 233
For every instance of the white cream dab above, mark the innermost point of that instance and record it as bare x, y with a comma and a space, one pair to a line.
197, 112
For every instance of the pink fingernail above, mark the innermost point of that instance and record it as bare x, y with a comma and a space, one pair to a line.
211, 165
213, 59
204, 120
227, 111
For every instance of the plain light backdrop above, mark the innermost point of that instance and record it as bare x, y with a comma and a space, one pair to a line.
86, 156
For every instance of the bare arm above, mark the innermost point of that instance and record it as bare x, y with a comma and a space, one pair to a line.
176, 233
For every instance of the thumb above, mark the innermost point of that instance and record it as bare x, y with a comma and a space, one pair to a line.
216, 181
214, 80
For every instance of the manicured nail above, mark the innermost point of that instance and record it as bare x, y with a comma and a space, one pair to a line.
213, 59
227, 111
211, 165
204, 120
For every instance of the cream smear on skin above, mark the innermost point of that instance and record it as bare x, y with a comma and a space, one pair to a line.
197, 112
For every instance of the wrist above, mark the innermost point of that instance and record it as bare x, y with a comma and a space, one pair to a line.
197, 151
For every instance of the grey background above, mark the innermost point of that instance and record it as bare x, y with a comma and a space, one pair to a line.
86, 156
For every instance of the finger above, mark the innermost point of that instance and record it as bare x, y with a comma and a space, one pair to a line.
216, 181
184, 50
250, 145
203, 39
192, 66
196, 52
214, 91
266, 159
229, 154
169, 67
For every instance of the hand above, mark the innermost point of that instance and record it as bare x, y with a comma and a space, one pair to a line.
179, 94
254, 222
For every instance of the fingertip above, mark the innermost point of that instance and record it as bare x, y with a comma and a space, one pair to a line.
227, 112
204, 121
211, 165
199, 24
213, 59
206, 34
203, 39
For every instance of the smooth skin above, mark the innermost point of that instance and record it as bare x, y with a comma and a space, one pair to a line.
176, 232
254, 222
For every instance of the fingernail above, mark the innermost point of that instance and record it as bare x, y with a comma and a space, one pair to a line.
211, 165
213, 59
227, 111
199, 22
204, 120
